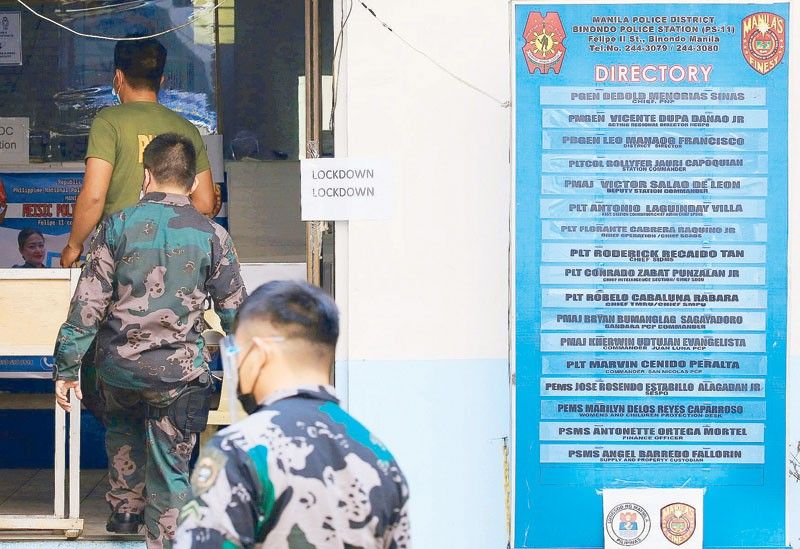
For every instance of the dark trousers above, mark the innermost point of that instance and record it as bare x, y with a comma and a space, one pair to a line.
148, 460
92, 399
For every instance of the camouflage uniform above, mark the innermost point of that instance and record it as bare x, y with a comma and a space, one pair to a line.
299, 474
142, 294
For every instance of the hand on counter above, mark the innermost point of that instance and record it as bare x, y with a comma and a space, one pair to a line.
62, 392
70, 255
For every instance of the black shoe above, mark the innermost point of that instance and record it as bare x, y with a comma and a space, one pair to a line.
124, 523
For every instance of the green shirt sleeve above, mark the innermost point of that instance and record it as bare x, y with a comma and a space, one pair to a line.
88, 306
102, 140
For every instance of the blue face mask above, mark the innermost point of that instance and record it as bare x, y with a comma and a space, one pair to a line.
115, 93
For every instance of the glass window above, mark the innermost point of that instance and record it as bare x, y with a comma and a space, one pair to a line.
65, 79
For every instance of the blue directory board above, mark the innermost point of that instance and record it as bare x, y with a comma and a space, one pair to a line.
650, 227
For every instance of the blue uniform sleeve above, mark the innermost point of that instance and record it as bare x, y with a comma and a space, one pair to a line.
88, 306
225, 283
398, 535
225, 511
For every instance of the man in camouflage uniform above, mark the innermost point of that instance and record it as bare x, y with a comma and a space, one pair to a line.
142, 294
299, 473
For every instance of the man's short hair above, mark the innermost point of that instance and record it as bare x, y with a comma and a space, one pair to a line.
142, 62
171, 158
297, 309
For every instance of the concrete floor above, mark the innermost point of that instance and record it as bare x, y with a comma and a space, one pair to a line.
30, 492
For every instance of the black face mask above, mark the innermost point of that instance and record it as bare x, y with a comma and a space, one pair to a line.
247, 400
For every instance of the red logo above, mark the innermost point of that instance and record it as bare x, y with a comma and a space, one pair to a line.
763, 40
544, 43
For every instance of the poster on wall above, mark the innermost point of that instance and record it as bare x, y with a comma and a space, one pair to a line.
43, 202
35, 220
650, 228
40, 205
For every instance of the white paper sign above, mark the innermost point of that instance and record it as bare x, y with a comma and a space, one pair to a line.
10, 38
213, 144
653, 518
346, 189
14, 140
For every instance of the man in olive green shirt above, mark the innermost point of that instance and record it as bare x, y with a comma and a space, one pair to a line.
119, 134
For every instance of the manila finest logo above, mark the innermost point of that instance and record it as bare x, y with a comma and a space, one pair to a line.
677, 522
544, 43
628, 524
763, 40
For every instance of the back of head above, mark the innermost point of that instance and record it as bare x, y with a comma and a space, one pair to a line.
296, 310
142, 62
171, 160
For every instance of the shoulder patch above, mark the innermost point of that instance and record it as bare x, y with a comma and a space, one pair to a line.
208, 467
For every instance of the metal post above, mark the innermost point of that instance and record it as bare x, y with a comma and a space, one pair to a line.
313, 130
218, 76
59, 507
74, 456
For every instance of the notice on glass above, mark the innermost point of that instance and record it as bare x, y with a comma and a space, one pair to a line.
10, 38
650, 252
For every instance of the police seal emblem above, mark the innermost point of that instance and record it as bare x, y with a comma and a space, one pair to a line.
763, 40
678, 522
544, 43
207, 469
628, 524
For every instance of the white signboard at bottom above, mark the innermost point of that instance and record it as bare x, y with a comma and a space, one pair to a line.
213, 144
346, 189
653, 518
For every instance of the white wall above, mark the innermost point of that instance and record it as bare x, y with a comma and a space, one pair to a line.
424, 296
